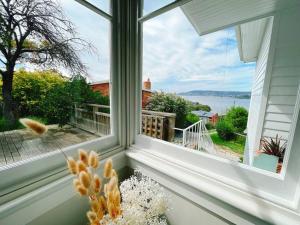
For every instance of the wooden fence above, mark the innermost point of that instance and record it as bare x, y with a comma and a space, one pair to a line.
96, 119
153, 126
158, 124
93, 118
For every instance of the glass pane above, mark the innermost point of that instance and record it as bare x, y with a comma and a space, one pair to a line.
61, 80
150, 5
102, 4
213, 86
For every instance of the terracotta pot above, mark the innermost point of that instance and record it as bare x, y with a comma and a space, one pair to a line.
279, 166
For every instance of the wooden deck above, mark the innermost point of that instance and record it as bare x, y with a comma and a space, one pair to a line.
17, 145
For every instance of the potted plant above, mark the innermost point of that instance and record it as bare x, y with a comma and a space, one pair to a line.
276, 147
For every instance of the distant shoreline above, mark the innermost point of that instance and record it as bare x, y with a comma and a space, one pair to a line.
232, 94
219, 104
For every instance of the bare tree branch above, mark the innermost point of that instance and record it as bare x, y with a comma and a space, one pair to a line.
36, 31
44, 23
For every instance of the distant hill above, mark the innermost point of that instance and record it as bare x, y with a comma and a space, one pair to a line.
236, 94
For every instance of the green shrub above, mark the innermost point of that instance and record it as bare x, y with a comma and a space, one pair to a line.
197, 106
225, 130
191, 118
6, 125
171, 103
81, 92
58, 105
31, 88
238, 117
209, 126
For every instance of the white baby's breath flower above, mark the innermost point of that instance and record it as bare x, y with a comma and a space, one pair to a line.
144, 202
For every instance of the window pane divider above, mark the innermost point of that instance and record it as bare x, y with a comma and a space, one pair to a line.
95, 9
163, 10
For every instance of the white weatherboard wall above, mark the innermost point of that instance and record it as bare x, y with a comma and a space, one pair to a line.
276, 81
285, 76
258, 93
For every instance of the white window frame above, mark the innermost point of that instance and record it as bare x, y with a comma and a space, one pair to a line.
26, 175
222, 178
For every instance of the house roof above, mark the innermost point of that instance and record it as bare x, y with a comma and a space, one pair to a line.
249, 38
202, 113
213, 15
209, 16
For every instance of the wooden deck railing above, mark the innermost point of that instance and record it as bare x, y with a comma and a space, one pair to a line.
95, 118
158, 124
90, 117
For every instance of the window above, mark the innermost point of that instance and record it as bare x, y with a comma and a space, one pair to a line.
150, 5
62, 79
102, 5
190, 56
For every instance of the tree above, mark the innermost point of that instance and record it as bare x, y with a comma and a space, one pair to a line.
238, 117
30, 88
167, 102
35, 31
197, 106
225, 130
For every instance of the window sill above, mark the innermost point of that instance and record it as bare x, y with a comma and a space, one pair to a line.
28, 175
169, 173
30, 206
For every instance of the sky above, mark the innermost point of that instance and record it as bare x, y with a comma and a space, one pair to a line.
175, 57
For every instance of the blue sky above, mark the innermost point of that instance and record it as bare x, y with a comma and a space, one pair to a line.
175, 57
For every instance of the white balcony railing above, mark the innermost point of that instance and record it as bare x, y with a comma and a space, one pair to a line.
196, 137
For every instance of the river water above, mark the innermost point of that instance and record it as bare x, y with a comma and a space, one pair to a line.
219, 104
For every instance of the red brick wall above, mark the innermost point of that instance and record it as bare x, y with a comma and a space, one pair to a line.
145, 97
214, 119
102, 88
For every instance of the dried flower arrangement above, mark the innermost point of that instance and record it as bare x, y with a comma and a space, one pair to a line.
88, 183
34, 126
139, 201
143, 200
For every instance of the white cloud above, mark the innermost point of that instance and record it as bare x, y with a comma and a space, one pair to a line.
174, 52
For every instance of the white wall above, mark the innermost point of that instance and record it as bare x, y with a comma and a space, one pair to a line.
258, 94
285, 76
276, 81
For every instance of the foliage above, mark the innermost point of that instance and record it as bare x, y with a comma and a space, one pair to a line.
167, 102
81, 92
209, 126
197, 106
225, 130
191, 118
47, 94
274, 147
236, 145
58, 105
31, 88
5, 125
35, 32
238, 117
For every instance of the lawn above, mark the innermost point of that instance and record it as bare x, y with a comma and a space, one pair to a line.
237, 145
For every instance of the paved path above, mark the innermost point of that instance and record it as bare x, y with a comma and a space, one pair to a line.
21, 144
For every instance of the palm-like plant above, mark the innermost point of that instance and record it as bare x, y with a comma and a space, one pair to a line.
274, 146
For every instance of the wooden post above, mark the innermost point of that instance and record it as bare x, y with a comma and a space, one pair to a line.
95, 117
